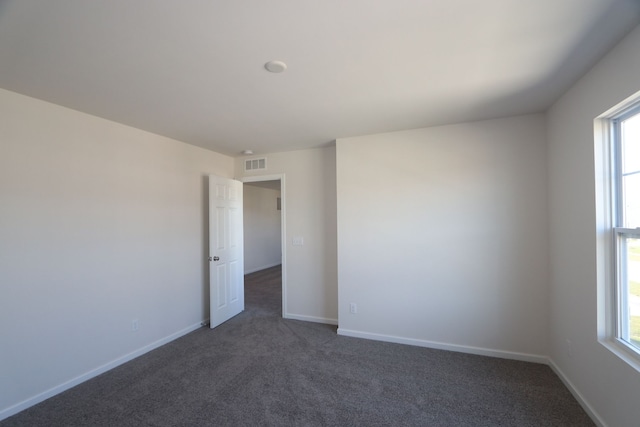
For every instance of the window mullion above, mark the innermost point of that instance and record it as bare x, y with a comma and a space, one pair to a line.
622, 291
617, 174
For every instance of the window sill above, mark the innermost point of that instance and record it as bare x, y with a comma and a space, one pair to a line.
624, 351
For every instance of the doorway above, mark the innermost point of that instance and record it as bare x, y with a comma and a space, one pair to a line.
264, 227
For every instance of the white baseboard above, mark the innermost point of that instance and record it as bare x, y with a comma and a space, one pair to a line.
311, 319
593, 414
21, 406
264, 267
14, 409
578, 396
444, 346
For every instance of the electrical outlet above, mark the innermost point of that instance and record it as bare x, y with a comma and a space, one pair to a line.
134, 325
353, 308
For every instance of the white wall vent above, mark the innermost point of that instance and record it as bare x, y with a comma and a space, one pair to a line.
255, 164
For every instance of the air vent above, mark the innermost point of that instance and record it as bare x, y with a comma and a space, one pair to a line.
255, 164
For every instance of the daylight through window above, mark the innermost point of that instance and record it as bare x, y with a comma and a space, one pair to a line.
627, 225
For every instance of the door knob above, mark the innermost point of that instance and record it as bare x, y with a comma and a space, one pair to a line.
216, 258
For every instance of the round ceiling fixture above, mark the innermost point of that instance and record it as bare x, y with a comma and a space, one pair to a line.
247, 152
275, 66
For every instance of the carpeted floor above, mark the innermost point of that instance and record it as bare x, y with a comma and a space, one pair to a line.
259, 369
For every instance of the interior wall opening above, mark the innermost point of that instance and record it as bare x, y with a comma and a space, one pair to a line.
264, 232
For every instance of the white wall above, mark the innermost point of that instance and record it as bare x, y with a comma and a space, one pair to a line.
99, 224
309, 195
608, 385
442, 237
262, 228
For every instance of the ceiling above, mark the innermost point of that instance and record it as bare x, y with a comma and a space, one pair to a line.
194, 70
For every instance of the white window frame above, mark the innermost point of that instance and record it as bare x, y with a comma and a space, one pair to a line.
612, 281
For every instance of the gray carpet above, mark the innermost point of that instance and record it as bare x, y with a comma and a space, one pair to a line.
259, 369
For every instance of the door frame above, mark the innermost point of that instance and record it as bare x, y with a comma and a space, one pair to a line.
283, 227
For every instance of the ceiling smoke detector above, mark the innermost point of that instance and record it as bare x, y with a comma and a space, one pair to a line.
275, 66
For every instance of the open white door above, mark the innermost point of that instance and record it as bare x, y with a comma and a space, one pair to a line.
226, 262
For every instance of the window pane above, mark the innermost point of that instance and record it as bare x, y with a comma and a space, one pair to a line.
631, 145
630, 153
633, 291
631, 200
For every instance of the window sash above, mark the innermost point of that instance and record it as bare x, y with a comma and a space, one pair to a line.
622, 282
618, 161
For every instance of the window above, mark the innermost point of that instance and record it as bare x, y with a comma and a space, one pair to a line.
626, 224
617, 162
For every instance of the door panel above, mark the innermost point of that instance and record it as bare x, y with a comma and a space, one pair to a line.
226, 262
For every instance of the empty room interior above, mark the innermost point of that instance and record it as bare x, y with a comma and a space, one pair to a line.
435, 176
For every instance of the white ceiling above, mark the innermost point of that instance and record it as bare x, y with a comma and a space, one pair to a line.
193, 69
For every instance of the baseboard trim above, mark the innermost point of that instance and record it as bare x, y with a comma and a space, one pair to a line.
264, 267
311, 319
595, 417
21, 406
525, 357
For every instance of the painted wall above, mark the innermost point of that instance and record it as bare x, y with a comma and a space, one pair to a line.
262, 229
100, 224
607, 384
309, 195
442, 237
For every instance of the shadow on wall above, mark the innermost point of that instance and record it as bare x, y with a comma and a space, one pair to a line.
560, 75
567, 68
